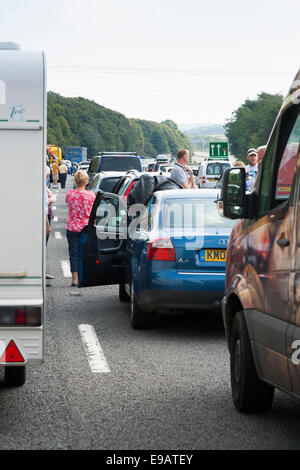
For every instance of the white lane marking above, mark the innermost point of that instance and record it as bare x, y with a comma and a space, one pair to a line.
58, 236
94, 352
65, 266
55, 219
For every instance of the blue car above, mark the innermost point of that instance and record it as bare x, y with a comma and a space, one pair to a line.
169, 255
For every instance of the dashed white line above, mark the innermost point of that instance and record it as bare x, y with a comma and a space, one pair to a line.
58, 236
55, 219
94, 352
65, 266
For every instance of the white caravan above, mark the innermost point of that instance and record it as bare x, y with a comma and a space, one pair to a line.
22, 210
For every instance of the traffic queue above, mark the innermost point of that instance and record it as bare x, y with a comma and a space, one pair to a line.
168, 242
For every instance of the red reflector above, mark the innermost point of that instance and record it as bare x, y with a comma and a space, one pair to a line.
20, 316
12, 354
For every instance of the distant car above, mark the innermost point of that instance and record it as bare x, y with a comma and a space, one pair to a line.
171, 260
150, 167
84, 166
210, 171
105, 181
165, 170
68, 163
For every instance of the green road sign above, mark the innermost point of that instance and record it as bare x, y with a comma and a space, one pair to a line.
218, 149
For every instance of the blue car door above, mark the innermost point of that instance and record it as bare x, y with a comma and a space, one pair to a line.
102, 251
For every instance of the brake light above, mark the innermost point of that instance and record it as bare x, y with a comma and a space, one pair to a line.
16, 316
203, 179
20, 316
161, 250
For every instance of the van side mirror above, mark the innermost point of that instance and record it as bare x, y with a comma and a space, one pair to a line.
233, 193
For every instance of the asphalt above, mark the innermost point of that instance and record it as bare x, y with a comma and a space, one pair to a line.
168, 388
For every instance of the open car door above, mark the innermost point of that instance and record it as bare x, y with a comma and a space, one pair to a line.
102, 251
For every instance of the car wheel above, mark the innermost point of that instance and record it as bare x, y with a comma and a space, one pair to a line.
15, 376
249, 393
138, 318
123, 296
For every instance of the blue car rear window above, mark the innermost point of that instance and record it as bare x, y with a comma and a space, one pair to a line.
193, 213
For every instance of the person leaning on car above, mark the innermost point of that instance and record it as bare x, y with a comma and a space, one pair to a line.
181, 172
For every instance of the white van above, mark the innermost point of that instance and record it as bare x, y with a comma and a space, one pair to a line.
22, 236
210, 171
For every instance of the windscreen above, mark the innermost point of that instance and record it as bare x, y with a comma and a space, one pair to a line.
193, 213
216, 168
119, 164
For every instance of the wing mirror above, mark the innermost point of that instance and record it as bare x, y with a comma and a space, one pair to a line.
232, 203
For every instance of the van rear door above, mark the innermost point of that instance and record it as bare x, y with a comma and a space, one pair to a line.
22, 209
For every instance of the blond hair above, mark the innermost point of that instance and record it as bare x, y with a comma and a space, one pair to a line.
81, 178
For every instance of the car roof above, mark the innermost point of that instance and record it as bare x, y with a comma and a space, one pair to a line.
187, 193
111, 174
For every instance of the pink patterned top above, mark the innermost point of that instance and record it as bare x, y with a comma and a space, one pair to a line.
80, 203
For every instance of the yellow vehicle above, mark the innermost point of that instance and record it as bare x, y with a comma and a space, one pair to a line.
54, 153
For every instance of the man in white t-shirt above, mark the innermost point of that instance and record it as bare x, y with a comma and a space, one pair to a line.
252, 167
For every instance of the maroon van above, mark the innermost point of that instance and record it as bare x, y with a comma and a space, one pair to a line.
261, 307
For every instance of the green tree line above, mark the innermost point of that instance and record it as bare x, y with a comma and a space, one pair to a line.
82, 122
250, 125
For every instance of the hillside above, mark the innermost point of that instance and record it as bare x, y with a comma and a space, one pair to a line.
201, 135
78, 121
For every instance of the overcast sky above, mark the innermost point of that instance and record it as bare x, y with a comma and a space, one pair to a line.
192, 61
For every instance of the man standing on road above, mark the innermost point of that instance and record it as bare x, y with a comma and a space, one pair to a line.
252, 167
55, 174
181, 172
63, 172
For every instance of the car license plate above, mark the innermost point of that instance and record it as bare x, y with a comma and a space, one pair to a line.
212, 180
215, 255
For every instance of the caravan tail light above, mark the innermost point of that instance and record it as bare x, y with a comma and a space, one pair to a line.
20, 316
161, 250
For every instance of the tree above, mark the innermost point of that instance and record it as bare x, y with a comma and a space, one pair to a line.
251, 124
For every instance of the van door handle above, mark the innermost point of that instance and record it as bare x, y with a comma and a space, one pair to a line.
283, 242
14, 275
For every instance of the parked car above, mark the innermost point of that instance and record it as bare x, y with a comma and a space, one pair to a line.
126, 183
121, 162
105, 181
261, 308
210, 171
84, 166
165, 170
173, 259
69, 165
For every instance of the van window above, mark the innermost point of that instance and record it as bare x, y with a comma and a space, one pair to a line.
288, 163
279, 163
216, 168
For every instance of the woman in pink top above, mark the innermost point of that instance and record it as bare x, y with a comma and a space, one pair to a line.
80, 202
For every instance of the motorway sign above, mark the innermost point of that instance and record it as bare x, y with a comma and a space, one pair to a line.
218, 149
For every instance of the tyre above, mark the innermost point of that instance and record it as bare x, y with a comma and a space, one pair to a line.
249, 393
138, 318
15, 376
123, 296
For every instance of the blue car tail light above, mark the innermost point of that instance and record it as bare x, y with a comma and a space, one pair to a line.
161, 249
